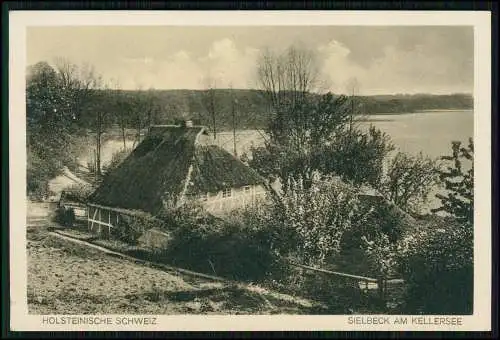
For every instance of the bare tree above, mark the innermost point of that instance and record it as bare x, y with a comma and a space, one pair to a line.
152, 108
78, 84
287, 78
291, 81
120, 110
144, 110
234, 102
83, 88
101, 113
210, 101
353, 86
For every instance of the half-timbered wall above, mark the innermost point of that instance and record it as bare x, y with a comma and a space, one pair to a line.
224, 201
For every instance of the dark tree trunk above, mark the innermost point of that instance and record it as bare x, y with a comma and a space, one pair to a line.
98, 145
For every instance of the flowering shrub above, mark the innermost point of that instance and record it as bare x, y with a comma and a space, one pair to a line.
381, 253
319, 215
437, 265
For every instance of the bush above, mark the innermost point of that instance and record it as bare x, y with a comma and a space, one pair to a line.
130, 228
381, 257
238, 248
382, 218
437, 265
316, 218
77, 193
64, 216
222, 248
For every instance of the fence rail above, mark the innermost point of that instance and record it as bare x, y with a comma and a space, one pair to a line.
324, 271
363, 281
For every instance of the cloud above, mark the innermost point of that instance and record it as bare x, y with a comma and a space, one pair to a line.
229, 65
396, 71
338, 67
224, 63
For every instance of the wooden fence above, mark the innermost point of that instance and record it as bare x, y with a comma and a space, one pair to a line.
363, 281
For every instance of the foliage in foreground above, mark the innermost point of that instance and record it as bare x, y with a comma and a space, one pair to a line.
436, 258
459, 184
437, 265
317, 217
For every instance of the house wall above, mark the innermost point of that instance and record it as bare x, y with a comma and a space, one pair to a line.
218, 205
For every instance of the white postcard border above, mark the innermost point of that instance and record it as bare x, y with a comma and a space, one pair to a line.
19, 20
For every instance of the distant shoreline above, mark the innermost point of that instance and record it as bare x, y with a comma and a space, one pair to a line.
445, 110
419, 111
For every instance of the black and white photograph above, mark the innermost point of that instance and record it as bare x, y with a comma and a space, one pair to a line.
246, 169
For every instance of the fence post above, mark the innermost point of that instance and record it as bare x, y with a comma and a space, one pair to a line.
380, 283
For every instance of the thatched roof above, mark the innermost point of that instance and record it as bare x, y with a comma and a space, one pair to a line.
215, 169
160, 166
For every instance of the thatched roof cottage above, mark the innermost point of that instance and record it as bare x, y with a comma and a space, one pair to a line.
174, 163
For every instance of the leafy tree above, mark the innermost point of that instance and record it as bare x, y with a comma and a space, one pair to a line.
357, 156
49, 121
310, 132
58, 102
409, 181
459, 183
436, 261
292, 149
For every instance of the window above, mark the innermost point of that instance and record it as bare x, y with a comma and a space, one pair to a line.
226, 192
246, 189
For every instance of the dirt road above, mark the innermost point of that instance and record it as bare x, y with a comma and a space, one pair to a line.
69, 278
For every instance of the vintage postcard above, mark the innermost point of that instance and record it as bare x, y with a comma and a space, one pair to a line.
187, 171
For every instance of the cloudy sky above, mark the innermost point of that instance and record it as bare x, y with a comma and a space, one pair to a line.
383, 59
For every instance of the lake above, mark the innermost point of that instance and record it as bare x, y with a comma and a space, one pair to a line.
430, 132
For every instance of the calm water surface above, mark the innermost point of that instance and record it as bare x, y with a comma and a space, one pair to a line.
429, 132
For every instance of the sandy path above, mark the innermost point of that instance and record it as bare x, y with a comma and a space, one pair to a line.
68, 278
